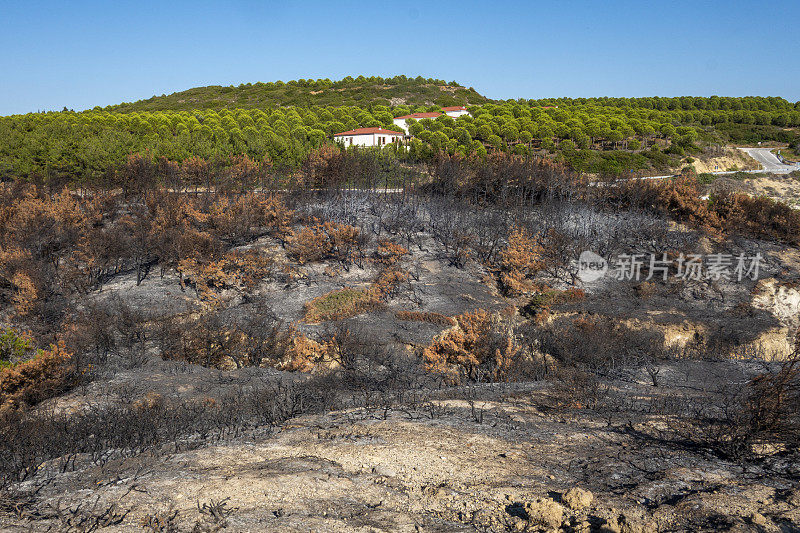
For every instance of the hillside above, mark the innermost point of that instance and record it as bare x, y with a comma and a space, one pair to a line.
281, 124
349, 91
359, 361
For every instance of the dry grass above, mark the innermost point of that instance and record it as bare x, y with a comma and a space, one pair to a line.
339, 304
432, 318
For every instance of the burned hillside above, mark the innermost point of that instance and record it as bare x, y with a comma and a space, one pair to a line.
372, 345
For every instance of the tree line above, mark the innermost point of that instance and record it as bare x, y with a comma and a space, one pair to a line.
591, 135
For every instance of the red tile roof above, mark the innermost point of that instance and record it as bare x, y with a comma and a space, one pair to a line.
368, 131
454, 108
420, 115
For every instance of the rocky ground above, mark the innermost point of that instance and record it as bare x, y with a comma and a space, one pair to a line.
728, 158
482, 458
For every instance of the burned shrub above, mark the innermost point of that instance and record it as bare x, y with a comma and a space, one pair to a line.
210, 341
163, 521
596, 343
520, 260
218, 340
85, 517
538, 306
772, 404
500, 179
29, 443
361, 363
480, 347
743, 421
326, 240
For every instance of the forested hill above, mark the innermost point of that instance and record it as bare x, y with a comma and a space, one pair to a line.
282, 126
360, 91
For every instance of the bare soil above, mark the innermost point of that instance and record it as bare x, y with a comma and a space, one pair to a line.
479, 458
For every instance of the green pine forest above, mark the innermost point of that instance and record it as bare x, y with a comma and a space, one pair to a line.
281, 123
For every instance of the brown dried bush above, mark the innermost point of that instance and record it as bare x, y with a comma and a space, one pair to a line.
303, 354
520, 260
646, 289
47, 374
243, 218
325, 240
480, 347
207, 278
244, 268
388, 283
761, 217
389, 253
680, 198
323, 167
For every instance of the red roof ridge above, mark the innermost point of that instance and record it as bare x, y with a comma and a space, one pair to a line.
428, 114
367, 131
455, 108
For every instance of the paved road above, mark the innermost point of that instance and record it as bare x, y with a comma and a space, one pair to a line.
769, 163
768, 160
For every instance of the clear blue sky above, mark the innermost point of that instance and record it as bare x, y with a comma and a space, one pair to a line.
84, 53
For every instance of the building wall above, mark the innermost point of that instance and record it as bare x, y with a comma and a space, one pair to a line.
370, 139
402, 123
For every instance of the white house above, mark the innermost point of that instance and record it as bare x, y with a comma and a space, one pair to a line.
368, 137
401, 121
455, 111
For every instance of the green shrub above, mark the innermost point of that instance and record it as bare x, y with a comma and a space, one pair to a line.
705, 178
14, 347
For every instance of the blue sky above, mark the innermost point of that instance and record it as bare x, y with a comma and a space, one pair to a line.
81, 53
